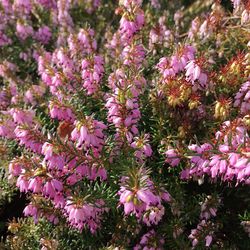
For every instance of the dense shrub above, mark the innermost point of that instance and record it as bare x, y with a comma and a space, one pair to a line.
125, 124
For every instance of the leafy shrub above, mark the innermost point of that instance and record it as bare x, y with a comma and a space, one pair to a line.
126, 124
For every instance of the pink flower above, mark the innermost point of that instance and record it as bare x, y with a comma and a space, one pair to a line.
31, 210
193, 73
133, 55
35, 184
128, 28
43, 35
24, 31
89, 133
7, 128
150, 241
24, 117
147, 197
153, 215
193, 31
92, 72
61, 112
245, 16
85, 215
4, 39
54, 161
29, 137
48, 4
203, 228
22, 183
225, 161
22, 6
87, 42
155, 4
15, 168
143, 148
242, 98
169, 67
208, 239
52, 187
141, 200
172, 157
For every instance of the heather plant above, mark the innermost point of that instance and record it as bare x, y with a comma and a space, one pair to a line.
125, 124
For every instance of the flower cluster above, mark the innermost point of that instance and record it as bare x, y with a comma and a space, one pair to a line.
205, 228
142, 147
242, 98
132, 20
60, 70
92, 72
61, 112
88, 134
101, 114
160, 35
86, 214
150, 241
139, 196
123, 107
205, 28
228, 161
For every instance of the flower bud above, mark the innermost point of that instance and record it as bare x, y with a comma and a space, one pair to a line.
222, 109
